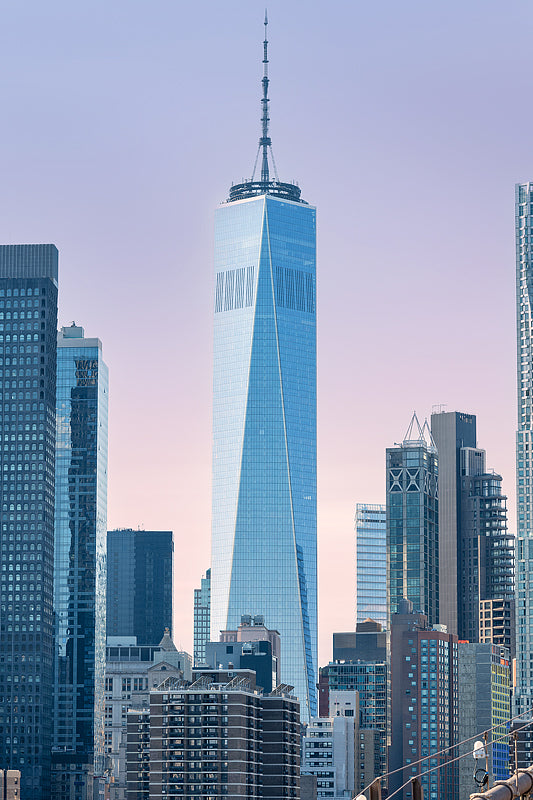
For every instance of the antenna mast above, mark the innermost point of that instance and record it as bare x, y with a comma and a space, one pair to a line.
265, 141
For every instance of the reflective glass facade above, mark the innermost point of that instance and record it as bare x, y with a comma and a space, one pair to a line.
139, 584
28, 342
524, 446
413, 527
371, 563
79, 564
202, 618
264, 429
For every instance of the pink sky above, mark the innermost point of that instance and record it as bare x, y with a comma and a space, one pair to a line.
406, 124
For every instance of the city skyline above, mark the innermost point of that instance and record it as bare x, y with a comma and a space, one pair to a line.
116, 185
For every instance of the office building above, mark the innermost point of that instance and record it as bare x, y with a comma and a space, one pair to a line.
202, 618
131, 673
360, 664
217, 737
139, 584
413, 523
484, 705
264, 419
451, 431
367, 643
79, 564
28, 346
523, 695
331, 748
251, 646
476, 552
370, 563
424, 704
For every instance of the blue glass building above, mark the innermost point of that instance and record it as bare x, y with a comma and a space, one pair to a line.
371, 563
264, 419
79, 564
413, 523
28, 343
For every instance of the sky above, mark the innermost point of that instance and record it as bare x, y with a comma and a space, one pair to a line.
406, 124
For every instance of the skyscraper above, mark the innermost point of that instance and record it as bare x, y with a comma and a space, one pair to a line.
202, 618
451, 431
424, 705
139, 584
79, 564
28, 344
476, 552
413, 523
264, 418
524, 446
371, 563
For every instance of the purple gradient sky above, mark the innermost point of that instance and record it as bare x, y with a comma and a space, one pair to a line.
407, 124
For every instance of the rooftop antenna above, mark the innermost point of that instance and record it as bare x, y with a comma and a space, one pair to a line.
265, 140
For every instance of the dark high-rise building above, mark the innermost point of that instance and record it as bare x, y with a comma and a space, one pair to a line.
451, 431
79, 565
476, 552
139, 584
28, 344
264, 534
202, 618
424, 704
413, 523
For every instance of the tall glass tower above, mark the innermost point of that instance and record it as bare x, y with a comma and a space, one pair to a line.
524, 446
28, 345
79, 565
371, 563
413, 523
264, 418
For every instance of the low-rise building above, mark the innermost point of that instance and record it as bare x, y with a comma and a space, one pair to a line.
331, 747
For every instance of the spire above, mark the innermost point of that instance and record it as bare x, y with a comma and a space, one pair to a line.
265, 141
266, 184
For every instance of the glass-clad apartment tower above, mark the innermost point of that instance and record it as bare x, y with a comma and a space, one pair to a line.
524, 446
202, 619
413, 523
28, 343
264, 419
79, 564
371, 563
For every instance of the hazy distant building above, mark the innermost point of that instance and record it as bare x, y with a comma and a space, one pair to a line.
139, 584
202, 618
413, 523
79, 565
371, 563
28, 348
